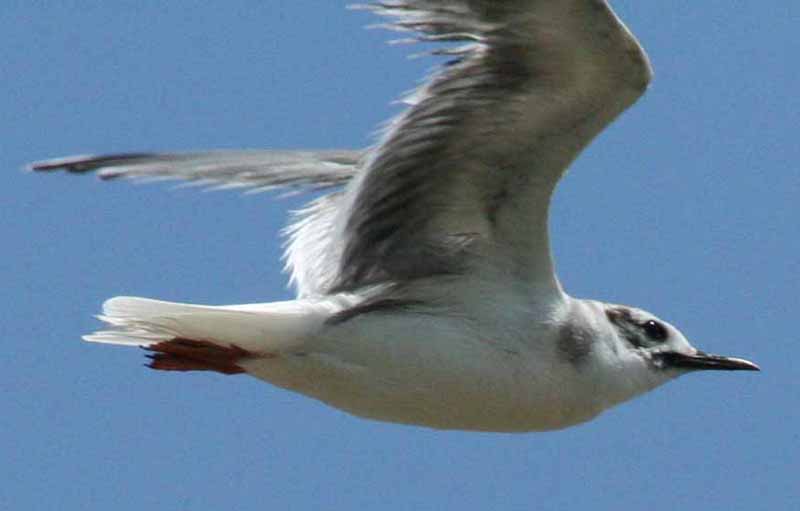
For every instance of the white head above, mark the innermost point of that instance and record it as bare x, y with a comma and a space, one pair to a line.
634, 351
664, 347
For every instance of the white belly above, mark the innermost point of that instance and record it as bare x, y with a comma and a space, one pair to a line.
440, 374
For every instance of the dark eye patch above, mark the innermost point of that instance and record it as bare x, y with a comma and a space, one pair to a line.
640, 334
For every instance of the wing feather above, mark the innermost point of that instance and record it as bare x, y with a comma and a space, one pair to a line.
255, 169
461, 179
465, 175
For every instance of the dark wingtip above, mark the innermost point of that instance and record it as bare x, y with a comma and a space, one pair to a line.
75, 164
83, 163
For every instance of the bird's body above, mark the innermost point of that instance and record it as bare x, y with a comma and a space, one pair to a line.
426, 290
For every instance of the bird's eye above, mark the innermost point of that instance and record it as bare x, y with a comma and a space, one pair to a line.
655, 330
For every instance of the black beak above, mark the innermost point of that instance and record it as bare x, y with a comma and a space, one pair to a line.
703, 361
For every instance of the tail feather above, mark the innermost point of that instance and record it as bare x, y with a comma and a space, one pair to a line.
256, 328
143, 322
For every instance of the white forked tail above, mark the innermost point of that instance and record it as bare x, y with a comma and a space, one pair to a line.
198, 337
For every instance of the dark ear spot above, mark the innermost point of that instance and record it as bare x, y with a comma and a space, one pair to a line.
574, 343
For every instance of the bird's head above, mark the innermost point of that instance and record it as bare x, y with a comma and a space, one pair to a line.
662, 347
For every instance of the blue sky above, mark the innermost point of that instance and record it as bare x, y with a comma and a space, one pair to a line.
687, 206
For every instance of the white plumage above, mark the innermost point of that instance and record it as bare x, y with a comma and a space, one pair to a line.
426, 290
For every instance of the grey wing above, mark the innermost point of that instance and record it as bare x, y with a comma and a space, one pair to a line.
312, 254
465, 175
254, 169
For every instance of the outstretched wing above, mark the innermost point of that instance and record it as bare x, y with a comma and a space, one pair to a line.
254, 169
465, 175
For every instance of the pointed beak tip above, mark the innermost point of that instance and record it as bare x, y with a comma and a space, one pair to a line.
730, 363
750, 366
705, 361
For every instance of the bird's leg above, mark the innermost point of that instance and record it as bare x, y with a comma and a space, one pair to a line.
181, 354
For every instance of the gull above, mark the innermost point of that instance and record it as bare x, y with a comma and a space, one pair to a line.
426, 291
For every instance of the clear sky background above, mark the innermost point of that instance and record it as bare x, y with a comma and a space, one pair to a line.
687, 206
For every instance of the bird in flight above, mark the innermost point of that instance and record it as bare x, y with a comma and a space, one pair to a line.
426, 291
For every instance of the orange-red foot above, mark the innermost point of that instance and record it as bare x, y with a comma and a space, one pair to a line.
190, 355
